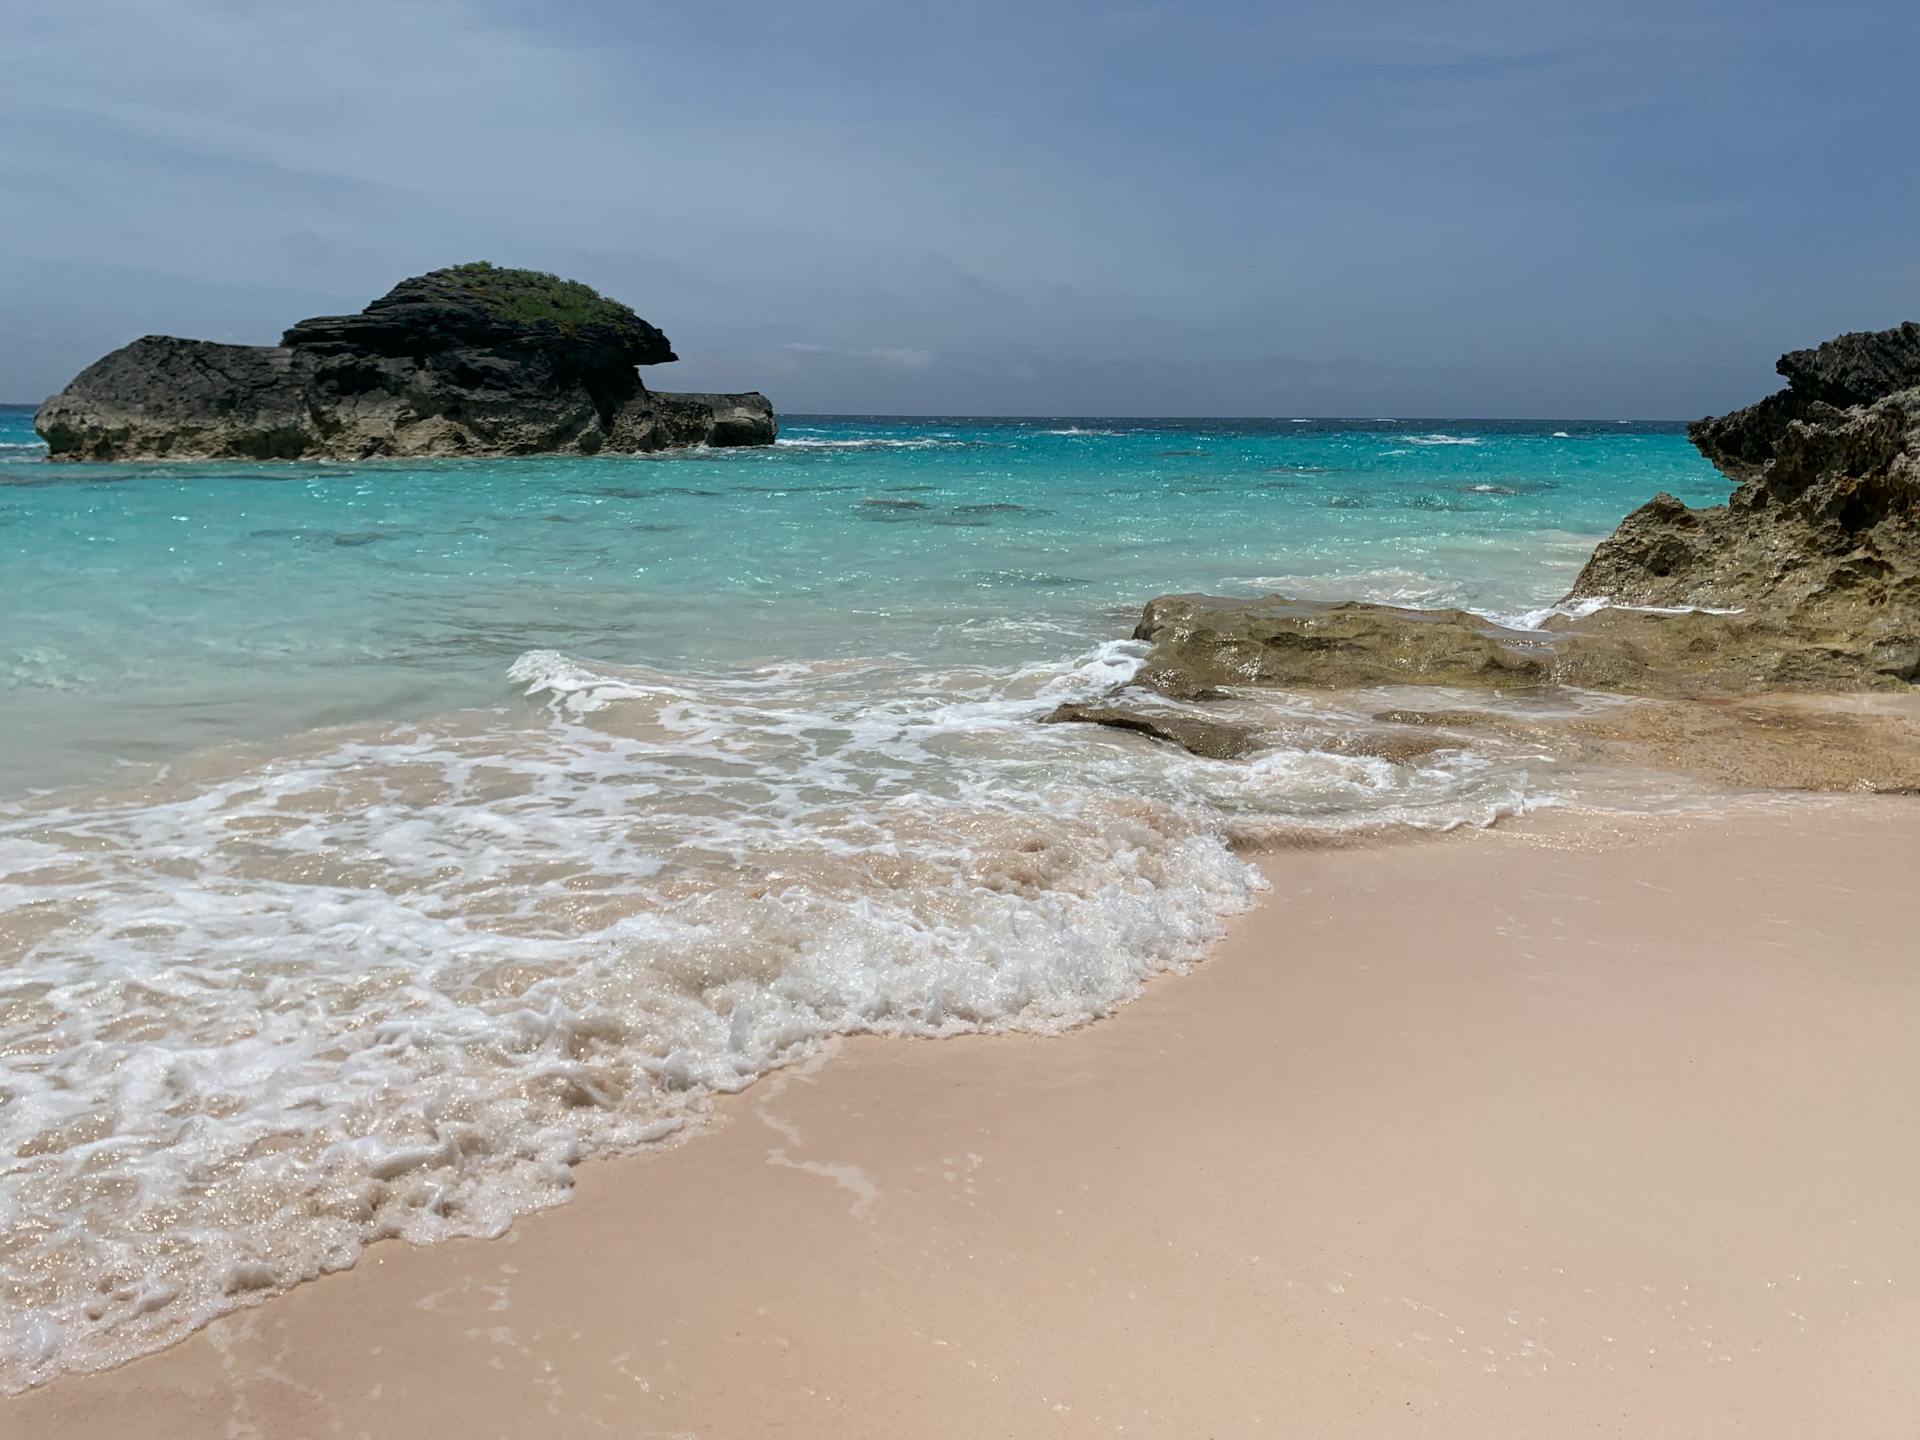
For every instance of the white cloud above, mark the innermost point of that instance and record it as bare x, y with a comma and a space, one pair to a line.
902, 357
894, 357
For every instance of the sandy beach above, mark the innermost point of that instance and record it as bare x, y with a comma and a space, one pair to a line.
1097, 721
1570, 1128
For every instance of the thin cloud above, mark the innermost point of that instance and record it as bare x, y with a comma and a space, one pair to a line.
897, 357
1496, 200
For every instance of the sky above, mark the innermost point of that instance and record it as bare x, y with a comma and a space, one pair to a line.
1370, 207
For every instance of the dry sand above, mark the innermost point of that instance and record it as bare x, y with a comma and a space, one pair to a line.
1541, 1133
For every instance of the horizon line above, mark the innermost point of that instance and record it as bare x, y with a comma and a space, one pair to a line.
1279, 418
1037, 416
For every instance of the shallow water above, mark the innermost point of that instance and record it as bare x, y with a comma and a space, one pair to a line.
156, 610
376, 840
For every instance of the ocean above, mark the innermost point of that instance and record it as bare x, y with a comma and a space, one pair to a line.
379, 840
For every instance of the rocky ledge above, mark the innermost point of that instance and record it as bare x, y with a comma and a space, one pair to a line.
1822, 537
473, 360
1807, 580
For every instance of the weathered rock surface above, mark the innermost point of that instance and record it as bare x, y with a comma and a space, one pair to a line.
472, 360
481, 307
1822, 537
1208, 736
1700, 653
1767, 743
1849, 370
1203, 643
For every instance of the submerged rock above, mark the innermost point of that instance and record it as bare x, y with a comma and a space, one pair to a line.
1207, 736
1767, 743
472, 360
1224, 737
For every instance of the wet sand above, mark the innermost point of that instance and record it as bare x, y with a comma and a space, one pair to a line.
1554, 1131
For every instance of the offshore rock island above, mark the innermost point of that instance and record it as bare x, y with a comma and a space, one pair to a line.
473, 360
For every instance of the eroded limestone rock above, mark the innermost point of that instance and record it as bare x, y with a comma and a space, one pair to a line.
473, 360
1820, 543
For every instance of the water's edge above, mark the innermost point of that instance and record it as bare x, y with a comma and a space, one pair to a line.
394, 838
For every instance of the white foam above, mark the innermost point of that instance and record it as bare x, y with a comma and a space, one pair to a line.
1685, 609
1385, 586
919, 442
1534, 619
1439, 439
400, 983
1592, 605
583, 689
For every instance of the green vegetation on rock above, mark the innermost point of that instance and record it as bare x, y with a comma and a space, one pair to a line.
528, 297
482, 306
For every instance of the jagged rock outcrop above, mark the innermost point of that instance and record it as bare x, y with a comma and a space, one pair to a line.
1822, 537
1848, 370
472, 360
1807, 579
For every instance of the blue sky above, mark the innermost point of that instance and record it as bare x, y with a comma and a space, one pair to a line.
1482, 208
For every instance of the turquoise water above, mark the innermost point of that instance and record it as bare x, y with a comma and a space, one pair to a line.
377, 841
154, 610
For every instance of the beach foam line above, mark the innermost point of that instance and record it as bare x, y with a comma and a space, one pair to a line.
1592, 605
924, 442
1388, 586
399, 984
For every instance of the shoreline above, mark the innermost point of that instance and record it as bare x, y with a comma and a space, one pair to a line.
1583, 1123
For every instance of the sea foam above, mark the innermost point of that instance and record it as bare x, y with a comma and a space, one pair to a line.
804, 442
400, 983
